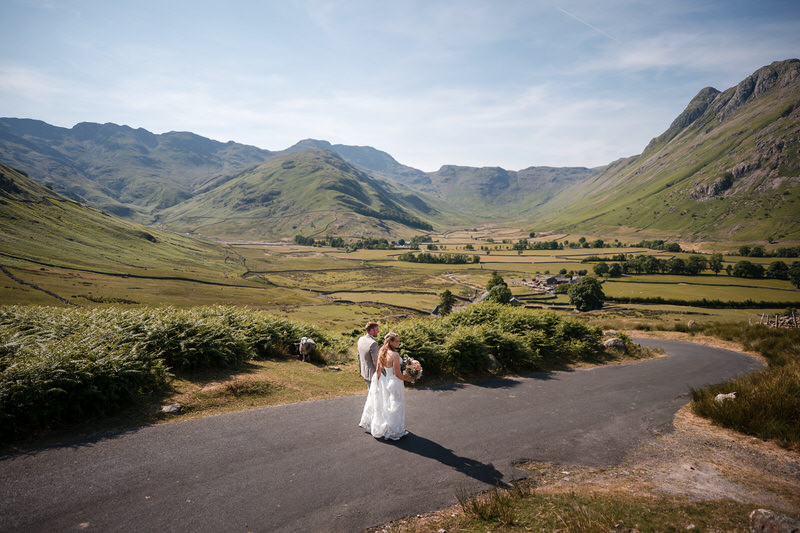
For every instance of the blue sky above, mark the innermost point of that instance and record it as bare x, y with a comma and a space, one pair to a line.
466, 82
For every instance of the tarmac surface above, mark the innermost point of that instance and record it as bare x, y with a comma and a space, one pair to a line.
309, 467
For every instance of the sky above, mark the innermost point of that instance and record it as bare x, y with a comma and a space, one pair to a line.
478, 83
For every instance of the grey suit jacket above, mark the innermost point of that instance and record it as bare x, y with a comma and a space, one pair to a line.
367, 356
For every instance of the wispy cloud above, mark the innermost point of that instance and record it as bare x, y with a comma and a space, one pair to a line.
598, 30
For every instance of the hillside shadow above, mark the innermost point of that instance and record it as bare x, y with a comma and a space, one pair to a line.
485, 473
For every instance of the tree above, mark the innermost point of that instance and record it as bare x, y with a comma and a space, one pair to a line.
715, 263
587, 294
794, 274
695, 264
601, 268
746, 269
615, 270
446, 302
496, 279
676, 265
500, 294
778, 270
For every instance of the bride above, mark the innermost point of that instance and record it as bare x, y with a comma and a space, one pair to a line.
384, 413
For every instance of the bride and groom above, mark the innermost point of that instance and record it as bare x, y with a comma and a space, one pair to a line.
384, 413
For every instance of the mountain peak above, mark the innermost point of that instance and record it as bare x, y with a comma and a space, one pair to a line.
305, 144
777, 75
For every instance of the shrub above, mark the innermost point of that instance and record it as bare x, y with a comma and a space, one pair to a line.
64, 381
466, 353
59, 365
520, 339
423, 340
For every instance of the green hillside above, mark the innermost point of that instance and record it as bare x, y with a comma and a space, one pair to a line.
40, 228
131, 173
727, 168
499, 194
313, 193
368, 159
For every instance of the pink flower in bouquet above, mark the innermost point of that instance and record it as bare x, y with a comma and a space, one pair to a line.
413, 369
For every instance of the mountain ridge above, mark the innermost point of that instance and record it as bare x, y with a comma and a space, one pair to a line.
313, 192
727, 166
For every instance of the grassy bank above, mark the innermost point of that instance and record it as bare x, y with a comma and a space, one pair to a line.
767, 404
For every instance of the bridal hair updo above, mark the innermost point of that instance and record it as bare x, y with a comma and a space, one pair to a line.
383, 354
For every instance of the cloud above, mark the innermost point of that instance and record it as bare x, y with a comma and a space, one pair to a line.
18, 81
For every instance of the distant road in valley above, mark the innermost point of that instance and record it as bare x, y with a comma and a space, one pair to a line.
309, 467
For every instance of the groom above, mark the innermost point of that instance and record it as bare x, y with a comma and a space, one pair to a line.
368, 352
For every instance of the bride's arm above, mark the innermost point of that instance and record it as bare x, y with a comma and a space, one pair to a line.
397, 371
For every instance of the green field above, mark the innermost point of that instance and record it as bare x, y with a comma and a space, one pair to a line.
341, 290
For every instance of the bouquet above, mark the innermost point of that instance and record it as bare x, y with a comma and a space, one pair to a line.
412, 368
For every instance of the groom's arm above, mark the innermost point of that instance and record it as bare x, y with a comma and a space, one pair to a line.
373, 355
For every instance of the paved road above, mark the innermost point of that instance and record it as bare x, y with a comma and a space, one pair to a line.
308, 467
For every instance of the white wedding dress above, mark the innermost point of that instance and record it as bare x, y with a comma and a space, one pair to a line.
384, 413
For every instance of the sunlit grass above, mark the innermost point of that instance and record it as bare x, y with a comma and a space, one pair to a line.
523, 507
686, 289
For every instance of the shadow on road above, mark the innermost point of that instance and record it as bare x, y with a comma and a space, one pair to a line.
485, 473
499, 383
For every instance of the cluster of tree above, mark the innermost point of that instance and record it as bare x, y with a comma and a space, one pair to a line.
338, 242
370, 244
443, 259
583, 243
523, 244
694, 265
759, 251
650, 264
333, 242
596, 258
775, 270
658, 244
419, 239
586, 295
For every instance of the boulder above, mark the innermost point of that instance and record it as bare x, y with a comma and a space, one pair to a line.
615, 343
766, 521
172, 409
